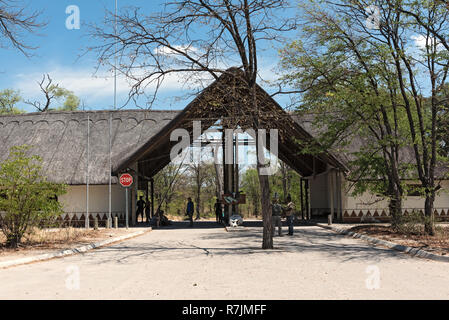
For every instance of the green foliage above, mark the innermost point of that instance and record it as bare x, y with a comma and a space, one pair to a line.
27, 198
184, 184
250, 186
71, 101
350, 92
285, 181
8, 102
413, 223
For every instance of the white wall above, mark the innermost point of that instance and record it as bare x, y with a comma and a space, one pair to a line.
319, 192
371, 201
75, 199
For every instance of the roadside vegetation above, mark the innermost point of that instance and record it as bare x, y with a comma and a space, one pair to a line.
364, 75
27, 198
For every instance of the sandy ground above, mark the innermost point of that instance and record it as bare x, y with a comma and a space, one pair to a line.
210, 263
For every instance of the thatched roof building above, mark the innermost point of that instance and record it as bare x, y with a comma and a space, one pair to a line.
60, 138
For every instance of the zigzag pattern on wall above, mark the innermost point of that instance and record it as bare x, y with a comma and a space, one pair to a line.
383, 215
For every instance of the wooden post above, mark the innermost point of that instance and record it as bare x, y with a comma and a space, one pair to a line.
301, 196
307, 195
152, 197
331, 196
96, 223
338, 189
116, 222
146, 200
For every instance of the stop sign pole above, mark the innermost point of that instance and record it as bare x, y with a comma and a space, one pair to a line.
126, 181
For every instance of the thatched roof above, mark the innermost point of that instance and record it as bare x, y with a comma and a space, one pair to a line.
60, 138
355, 143
224, 101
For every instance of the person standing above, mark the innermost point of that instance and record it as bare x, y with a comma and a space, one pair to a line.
140, 208
290, 213
189, 211
276, 211
218, 213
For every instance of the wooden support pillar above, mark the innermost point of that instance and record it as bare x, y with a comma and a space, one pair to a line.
307, 197
152, 196
146, 200
301, 196
331, 196
338, 189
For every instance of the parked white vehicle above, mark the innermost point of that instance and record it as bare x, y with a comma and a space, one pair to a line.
235, 221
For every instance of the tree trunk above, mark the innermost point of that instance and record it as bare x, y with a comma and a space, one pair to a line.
284, 172
429, 223
217, 173
395, 207
13, 240
267, 242
198, 199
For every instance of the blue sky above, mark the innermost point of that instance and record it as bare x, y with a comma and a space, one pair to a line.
59, 55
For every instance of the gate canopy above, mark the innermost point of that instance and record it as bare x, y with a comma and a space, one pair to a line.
222, 103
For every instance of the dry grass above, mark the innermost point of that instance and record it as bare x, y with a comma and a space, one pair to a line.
439, 243
57, 239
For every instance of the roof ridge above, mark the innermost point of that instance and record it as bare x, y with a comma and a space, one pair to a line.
84, 111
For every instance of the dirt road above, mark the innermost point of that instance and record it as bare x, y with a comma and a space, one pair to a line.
210, 263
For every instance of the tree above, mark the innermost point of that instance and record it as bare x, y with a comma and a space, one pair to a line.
201, 173
366, 77
14, 21
196, 39
343, 76
165, 184
286, 182
429, 19
8, 101
54, 92
26, 197
250, 185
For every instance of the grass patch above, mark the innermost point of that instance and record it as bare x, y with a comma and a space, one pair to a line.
57, 239
412, 236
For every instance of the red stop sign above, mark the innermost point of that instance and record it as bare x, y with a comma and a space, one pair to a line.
126, 180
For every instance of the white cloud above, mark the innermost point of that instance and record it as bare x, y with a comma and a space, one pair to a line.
420, 41
83, 83
97, 91
184, 48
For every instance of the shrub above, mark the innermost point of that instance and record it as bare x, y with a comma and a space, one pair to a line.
413, 223
27, 198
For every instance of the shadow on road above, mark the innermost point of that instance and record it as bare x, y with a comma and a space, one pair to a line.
244, 242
